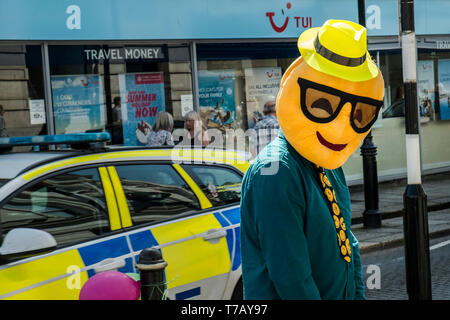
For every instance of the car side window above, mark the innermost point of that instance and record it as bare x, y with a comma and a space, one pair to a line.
221, 185
70, 206
155, 192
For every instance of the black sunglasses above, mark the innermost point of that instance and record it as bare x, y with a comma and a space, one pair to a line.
322, 104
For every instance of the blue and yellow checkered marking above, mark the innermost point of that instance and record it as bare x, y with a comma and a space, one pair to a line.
54, 266
141, 240
180, 272
194, 259
229, 237
48, 278
99, 251
234, 217
188, 294
30, 280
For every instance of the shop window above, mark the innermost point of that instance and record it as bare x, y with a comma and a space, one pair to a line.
433, 74
390, 64
70, 206
433, 91
119, 89
22, 111
389, 130
431, 68
155, 192
236, 80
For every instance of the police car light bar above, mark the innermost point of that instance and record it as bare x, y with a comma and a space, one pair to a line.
73, 138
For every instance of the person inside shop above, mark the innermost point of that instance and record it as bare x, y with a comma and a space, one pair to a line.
428, 107
3, 132
161, 134
195, 131
267, 128
117, 133
296, 239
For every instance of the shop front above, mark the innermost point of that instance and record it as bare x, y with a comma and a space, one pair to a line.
85, 66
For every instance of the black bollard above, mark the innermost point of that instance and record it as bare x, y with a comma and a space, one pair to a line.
371, 214
151, 267
417, 244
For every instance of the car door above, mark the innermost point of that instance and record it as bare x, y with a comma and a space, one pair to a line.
168, 211
77, 207
222, 186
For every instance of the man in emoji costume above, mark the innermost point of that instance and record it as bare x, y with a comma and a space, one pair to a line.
296, 241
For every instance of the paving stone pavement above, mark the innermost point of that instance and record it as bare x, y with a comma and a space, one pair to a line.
390, 194
391, 232
437, 190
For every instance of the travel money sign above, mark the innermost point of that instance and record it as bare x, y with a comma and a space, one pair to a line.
127, 53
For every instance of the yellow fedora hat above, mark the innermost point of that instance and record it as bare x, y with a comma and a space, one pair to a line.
338, 48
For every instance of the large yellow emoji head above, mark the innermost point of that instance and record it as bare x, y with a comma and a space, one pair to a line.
330, 97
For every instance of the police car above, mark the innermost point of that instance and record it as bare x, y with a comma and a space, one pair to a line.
66, 215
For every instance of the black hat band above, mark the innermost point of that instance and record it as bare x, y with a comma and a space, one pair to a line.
336, 58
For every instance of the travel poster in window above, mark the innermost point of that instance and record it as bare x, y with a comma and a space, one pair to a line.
217, 98
78, 103
261, 85
142, 97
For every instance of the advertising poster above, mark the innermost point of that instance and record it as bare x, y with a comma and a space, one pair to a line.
78, 103
217, 98
142, 97
261, 85
444, 88
425, 89
187, 104
37, 111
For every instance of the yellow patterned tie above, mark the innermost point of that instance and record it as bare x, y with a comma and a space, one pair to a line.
343, 242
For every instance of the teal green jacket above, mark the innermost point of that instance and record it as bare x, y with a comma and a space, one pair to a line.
288, 237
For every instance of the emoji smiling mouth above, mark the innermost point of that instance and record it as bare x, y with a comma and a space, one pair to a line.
332, 146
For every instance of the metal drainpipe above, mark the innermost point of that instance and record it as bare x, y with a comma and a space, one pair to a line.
194, 74
48, 91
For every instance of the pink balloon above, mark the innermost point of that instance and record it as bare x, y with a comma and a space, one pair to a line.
110, 285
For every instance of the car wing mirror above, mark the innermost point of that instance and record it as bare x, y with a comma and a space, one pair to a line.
25, 242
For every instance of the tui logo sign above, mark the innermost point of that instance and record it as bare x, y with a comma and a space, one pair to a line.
281, 25
273, 73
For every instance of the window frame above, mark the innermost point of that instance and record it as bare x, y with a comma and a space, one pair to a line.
113, 163
182, 164
166, 45
197, 180
159, 162
53, 174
